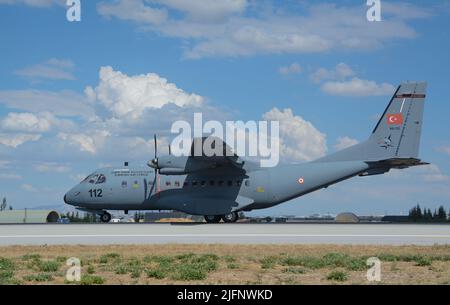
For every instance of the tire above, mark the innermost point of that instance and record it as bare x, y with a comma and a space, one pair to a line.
212, 218
229, 218
106, 217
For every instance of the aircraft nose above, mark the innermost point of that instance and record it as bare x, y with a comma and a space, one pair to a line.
65, 199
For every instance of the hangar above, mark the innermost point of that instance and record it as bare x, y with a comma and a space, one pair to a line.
29, 216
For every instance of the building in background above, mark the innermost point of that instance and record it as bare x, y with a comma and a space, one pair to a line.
29, 216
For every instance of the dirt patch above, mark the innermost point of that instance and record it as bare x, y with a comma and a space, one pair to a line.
225, 264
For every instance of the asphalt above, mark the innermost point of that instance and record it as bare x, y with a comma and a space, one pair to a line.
103, 234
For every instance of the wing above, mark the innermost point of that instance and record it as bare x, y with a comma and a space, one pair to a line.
207, 153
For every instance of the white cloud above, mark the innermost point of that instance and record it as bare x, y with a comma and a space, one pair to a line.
344, 142
17, 139
444, 149
63, 103
432, 173
132, 10
86, 142
51, 167
357, 87
56, 69
340, 72
127, 95
206, 10
293, 68
6, 176
238, 28
28, 187
299, 139
35, 3
27, 122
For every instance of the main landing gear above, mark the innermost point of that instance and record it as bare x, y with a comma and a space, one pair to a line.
105, 217
228, 218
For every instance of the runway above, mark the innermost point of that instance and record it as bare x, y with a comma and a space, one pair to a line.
103, 234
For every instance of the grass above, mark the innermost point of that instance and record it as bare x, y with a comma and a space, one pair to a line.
7, 268
337, 276
40, 277
224, 264
48, 266
268, 262
92, 280
294, 270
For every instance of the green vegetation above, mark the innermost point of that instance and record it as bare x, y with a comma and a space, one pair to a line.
268, 262
338, 276
40, 277
91, 280
90, 269
48, 266
7, 268
294, 270
28, 257
416, 214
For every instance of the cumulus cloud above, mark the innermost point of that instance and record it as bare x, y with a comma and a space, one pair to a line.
27, 122
357, 87
16, 139
300, 140
293, 68
55, 69
344, 142
86, 142
340, 72
237, 28
131, 95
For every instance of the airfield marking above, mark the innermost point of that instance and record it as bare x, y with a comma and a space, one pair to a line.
223, 235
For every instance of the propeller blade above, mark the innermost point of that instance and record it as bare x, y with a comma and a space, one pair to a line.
156, 146
170, 150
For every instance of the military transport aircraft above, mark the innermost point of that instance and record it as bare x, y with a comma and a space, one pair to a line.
220, 187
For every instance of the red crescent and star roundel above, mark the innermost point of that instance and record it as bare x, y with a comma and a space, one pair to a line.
395, 119
301, 180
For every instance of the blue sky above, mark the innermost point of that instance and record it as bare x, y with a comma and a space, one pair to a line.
77, 96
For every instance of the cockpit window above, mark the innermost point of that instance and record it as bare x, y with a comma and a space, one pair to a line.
101, 179
95, 179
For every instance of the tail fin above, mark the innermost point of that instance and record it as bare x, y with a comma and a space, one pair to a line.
397, 134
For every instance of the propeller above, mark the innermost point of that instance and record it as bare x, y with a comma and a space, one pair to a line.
154, 162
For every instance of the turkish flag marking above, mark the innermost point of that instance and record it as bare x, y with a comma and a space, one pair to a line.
395, 119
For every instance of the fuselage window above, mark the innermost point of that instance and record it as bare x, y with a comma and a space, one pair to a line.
194, 183
186, 183
203, 183
247, 183
220, 183
238, 183
211, 182
168, 183
124, 184
177, 183
230, 183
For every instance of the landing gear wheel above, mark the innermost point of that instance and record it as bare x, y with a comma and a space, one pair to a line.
232, 217
105, 217
212, 219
